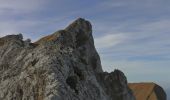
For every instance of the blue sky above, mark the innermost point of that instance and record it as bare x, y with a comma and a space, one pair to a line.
131, 35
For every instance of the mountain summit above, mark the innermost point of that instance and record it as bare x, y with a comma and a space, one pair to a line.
62, 66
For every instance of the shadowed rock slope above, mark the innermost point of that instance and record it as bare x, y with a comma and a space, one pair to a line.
148, 91
61, 66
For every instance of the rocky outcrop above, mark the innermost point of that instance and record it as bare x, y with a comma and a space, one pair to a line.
61, 66
148, 91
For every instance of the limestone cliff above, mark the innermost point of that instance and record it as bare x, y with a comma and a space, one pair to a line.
148, 91
61, 66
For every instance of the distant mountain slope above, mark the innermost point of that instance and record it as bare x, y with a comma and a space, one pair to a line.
147, 91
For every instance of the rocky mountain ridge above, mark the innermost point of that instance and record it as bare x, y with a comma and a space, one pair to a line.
62, 66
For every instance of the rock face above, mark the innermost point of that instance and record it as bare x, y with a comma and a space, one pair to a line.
61, 66
148, 91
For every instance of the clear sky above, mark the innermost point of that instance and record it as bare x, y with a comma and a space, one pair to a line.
131, 35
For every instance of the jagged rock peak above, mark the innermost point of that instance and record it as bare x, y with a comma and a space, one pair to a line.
77, 37
8, 38
62, 66
80, 30
15, 41
115, 85
16, 37
80, 24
